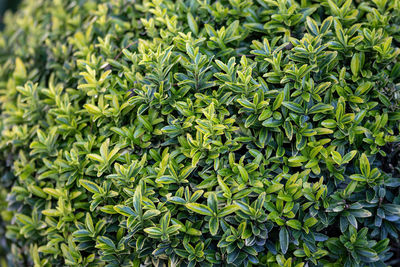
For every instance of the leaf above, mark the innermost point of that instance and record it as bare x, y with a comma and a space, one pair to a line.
213, 225
293, 107
284, 239
368, 253
90, 186
392, 208
150, 214
246, 103
349, 156
96, 158
89, 223
20, 69
320, 108
92, 109
363, 88
173, 229
278, 101
326, 24
106, 241
227, 210
361, 213
312, 26
334, 8
265, 114
196, 159
355, 64
243, 173
329, 123
381, 245
295, 224
51, 213
124, 210
243, 207
192, 231
212, 202
352, 220
250, 121
165, 220
146, 123
153, 231
223, 186
310, 222
288, 129
364, 165
357, 177
104, 148
272, 123
165, 179
137, 200
192, 23
200, 208
52, 192
298, 159
24, 219
274, 188
210, 30
37, 191
337, 158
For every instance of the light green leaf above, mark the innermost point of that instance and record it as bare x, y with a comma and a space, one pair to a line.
213, 225
90, 186
192, 23
278, 100
200, 208
227, 210
295, 224
364, 165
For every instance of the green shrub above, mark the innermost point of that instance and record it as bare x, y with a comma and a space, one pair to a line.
200, 133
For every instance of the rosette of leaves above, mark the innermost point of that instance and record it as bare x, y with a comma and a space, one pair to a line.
200, 133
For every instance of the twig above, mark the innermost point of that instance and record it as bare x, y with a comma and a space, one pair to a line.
126, 47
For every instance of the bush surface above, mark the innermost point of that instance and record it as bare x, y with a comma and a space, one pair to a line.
200, 133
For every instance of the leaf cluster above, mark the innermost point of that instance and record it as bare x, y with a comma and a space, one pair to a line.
200, 133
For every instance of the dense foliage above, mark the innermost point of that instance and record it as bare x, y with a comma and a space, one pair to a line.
200, 133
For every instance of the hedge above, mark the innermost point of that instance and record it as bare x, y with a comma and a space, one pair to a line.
200, 133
